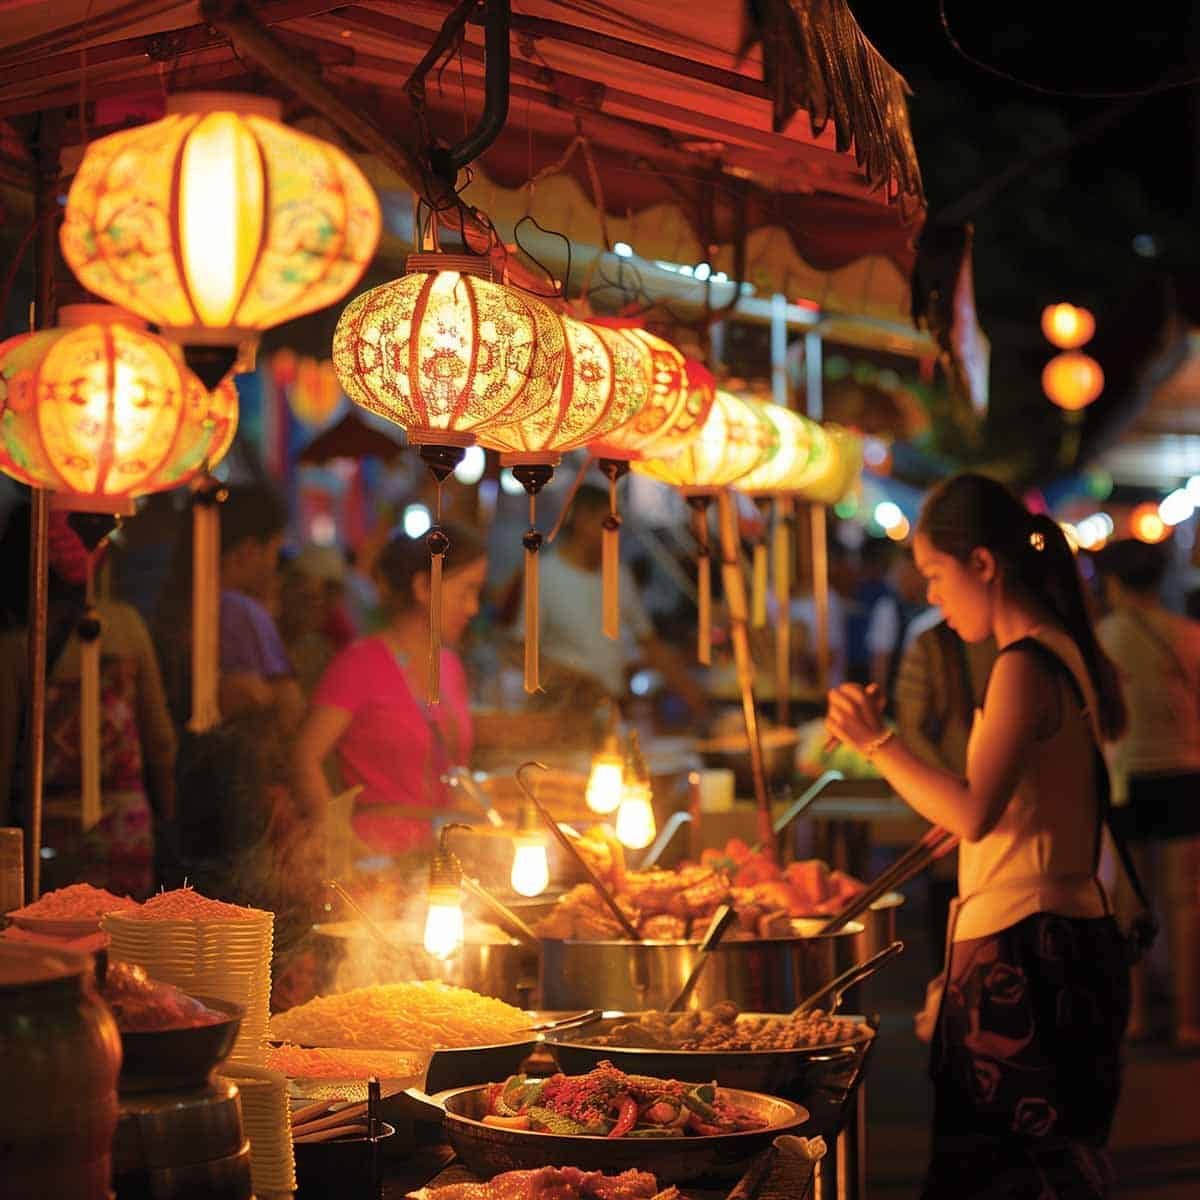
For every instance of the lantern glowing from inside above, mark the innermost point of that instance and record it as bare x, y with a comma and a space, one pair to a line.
679, 398
601, 390
733, 441
785, 469
94, 408
446, 353
219, 221
1072, 380
839, 468
1066, 326
210, 421
313, 393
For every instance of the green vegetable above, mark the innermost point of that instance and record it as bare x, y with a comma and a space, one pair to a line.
508, 1103
699, 1107
546, 1120
653, 1131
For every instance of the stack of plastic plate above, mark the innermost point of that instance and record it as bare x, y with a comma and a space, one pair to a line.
266, 1116
226, 959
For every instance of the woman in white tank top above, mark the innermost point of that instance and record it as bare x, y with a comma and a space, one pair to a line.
1026, 1054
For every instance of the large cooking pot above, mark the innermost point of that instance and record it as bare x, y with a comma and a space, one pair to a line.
488, 962
878, 930
757, 974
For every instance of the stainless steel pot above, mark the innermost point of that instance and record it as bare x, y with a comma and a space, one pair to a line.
757, 974
506, 969
878, 930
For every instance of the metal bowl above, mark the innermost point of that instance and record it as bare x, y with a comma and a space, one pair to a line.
820, 1078
165, 1059
490, 1150
476, 1064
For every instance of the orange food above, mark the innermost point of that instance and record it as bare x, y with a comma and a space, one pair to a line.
186, 904
79, 901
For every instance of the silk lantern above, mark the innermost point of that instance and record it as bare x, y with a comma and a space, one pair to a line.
679, 396
446, 352
218, 222
599, 392
733, 440
93, 409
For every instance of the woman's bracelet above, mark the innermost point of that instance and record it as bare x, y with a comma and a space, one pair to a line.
876, 744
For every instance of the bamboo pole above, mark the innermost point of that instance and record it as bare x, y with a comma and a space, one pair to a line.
735, 599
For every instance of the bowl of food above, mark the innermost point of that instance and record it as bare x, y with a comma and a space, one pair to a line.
168, 1038
70, 912
813, 1059
609, 1120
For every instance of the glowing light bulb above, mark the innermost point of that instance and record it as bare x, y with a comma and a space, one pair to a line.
530, 867
443, 927
605, 784
635, 817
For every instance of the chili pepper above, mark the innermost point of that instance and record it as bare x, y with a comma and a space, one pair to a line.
627, 1111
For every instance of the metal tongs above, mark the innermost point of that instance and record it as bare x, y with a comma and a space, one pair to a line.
460, 777
847, 979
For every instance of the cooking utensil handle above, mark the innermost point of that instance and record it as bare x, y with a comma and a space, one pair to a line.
848, 979
721, 920
460, 777
668, 831
575, 1021
499, 910
811, 793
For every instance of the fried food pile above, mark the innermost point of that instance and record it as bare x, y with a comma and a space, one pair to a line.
723, 1027
554, 1183
671, 905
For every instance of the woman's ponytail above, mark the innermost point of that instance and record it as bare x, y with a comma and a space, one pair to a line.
1051, 564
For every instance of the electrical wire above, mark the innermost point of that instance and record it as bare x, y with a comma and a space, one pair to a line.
1164, 85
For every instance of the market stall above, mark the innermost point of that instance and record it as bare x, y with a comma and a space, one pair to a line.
768, 143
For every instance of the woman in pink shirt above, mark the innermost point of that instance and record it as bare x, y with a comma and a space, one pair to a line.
372, 704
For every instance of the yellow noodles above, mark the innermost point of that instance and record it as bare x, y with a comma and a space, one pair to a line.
400, 1016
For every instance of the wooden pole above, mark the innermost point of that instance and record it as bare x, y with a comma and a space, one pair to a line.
45, 214
735, 598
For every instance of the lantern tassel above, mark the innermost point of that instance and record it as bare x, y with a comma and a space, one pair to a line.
610, 551
206, 603
89, 705
703, 580
533, 476
532, 617
781, 552
758, 605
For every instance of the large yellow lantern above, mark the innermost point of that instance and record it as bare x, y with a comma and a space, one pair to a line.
447, 353
734, 439
601, 389
94, 409
785, 469
218, 222
1072, 380
1067, 326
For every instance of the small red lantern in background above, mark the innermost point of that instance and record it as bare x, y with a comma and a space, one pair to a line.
1067, 327
1072, 380
1146, 525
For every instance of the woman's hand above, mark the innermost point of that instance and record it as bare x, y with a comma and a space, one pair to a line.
855, 715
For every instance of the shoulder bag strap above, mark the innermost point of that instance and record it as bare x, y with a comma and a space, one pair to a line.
1103, 783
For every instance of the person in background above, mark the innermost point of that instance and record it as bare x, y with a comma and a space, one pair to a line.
137, 740
1026, 1058
871, 585
255, 671
1156, 765
311, 620
940, 683
371, 708
580, 665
